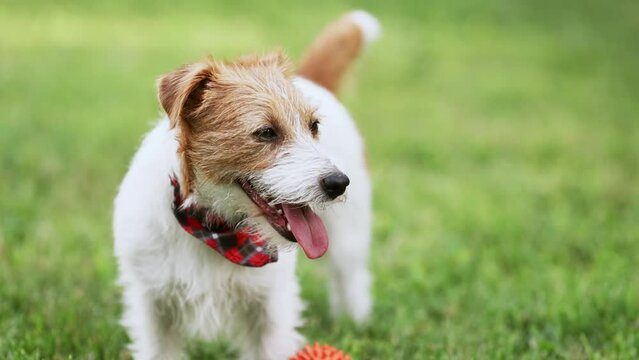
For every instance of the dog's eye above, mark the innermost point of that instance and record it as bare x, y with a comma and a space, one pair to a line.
266, 134
315, 127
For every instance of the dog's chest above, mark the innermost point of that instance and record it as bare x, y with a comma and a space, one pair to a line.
214, 294
220, 310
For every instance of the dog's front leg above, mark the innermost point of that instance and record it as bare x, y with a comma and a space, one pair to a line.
271, 339
151, 328
271, 323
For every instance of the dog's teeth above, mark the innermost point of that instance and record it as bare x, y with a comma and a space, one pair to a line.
279, 211
288, 227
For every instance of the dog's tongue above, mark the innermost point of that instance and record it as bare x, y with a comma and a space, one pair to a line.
308, 229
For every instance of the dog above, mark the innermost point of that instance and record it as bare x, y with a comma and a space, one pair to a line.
250, 162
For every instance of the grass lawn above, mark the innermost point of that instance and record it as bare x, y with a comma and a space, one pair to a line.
503, 141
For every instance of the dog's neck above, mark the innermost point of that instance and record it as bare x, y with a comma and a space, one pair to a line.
239, 246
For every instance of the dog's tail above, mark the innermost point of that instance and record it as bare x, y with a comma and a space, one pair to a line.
327, 60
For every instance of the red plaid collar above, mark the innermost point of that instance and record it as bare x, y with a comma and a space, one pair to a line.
238, 246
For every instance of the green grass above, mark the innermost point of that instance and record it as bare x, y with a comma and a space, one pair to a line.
503, 141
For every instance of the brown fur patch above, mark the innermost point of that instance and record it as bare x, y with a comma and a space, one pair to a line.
218, 107
328, 58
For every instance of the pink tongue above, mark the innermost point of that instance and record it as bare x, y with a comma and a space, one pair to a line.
308, 229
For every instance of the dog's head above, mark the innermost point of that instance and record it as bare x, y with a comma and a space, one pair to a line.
244, 124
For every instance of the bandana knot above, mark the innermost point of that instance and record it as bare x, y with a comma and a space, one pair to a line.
241, 246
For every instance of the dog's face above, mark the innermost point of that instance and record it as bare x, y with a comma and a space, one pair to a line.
245, 123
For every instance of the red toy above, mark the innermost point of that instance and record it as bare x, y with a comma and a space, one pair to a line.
320, 352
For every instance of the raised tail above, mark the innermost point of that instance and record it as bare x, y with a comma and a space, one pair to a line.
327, 60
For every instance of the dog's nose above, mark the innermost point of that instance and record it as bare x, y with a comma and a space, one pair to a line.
335, 184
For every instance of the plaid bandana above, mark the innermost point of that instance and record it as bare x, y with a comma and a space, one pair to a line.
239, 247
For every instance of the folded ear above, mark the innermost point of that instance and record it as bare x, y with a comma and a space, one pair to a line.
180, 92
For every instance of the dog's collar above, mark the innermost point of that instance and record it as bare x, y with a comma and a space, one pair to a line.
240, 246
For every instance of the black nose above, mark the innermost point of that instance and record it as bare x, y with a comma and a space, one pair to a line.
335, 184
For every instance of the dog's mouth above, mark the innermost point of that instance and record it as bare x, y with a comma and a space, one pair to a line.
295, 222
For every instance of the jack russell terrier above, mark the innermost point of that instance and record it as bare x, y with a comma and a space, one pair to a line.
250, 161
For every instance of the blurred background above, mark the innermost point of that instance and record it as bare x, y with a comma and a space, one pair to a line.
503, 140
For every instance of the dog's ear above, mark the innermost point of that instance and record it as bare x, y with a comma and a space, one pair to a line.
180, 92
181, 95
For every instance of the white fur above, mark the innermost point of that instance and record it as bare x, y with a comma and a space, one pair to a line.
176, 288
294, 177
367, 23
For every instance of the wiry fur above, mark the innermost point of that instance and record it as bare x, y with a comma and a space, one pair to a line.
175, 287
292, 178
217, 107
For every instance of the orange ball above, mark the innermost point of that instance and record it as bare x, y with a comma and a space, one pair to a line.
320, 352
